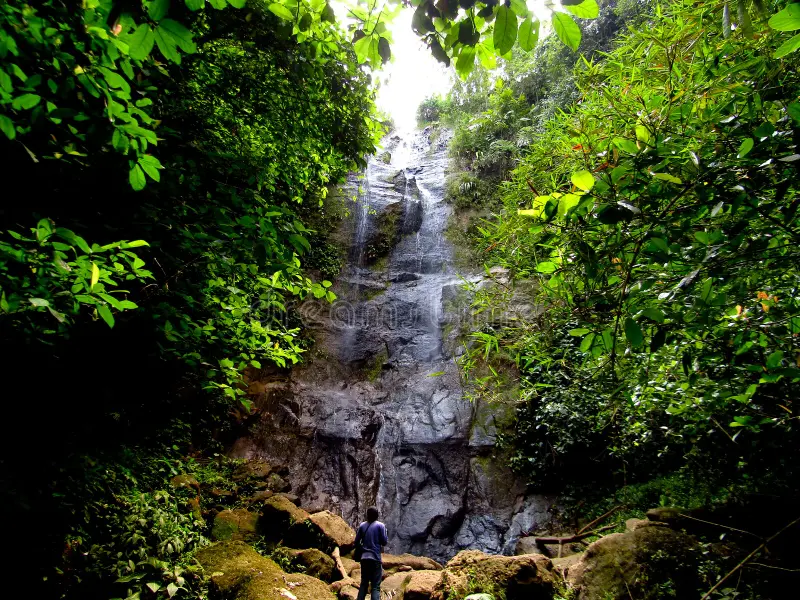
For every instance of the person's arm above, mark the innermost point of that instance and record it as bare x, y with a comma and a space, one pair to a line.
384, 536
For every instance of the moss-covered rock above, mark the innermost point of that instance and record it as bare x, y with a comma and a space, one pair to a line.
278, 514
421, 585
386, 232
512, 577
252, 469
237, 524
648, 563
324, 531
240, 573
315, 563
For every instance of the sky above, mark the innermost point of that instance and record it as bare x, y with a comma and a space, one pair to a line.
411, 76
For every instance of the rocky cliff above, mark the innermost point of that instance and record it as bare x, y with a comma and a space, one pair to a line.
377, 415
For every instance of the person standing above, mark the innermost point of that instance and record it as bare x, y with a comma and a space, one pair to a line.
370, 538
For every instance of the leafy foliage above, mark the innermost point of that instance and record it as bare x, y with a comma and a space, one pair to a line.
241, 152
659, 217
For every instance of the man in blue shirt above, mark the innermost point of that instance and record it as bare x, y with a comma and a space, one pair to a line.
371, 535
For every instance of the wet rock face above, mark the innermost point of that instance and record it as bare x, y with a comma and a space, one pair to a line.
377, 415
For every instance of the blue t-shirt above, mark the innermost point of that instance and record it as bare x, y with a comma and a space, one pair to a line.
372, 536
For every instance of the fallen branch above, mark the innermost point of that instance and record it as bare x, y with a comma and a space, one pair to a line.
748, 557
570, 538
600, 518
337, 558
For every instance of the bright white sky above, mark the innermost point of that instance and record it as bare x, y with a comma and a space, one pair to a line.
411, 76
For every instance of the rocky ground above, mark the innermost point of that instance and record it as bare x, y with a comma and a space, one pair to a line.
267, 547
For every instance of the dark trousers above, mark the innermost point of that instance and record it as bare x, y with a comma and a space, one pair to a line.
371, 575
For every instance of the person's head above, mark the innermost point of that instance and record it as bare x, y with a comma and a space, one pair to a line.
372, 514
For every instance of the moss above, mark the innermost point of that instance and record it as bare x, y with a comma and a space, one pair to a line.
373, 372
370, 293
386, 233
240, 573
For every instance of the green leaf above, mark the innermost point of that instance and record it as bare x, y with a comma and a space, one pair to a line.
167, 46
180, 35
788, 19
520, 8
281, 11
578, 332
134, 244
363, 48
114, 79
634, 333
583, 180
567, 30
195, 4
547, 267
151, 165
136, 178
745, 147
666, 177
237, 3
642, 134
588, 9
466, 61
528, 35
774, 360
39, 302
794, 111
787, 47
140, 42
7, 127
505, 29
5, 82
653, 314
486, 56
626, 145
566, 203
120, 141
25, 102
105, 314
587, 342
157, 9
95, 276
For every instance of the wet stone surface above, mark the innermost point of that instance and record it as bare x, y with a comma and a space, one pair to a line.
377, 415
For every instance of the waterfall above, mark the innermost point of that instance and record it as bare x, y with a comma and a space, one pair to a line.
379, 413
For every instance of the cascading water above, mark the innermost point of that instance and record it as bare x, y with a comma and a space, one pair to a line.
377, 414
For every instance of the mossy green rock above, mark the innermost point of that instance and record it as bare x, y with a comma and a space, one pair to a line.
324, 531
528, 577
278, 514
639, 564
238, 524
252, 469
315, 563
240, 573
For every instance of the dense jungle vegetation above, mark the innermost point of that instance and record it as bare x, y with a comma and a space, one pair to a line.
170, 168
650, 189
